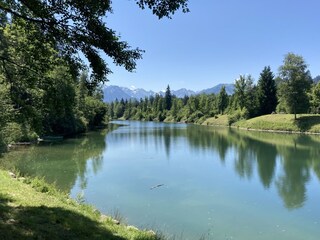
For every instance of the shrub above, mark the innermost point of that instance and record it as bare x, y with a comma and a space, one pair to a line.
14, 132
238, 115
194, 117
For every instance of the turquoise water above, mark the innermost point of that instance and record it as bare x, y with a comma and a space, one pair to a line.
218, 183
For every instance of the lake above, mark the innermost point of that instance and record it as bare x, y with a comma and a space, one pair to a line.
189, 181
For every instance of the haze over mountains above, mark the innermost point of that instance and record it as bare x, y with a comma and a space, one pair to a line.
112, 92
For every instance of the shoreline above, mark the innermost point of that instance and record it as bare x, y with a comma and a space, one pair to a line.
235, 126
308, 124
54, 214
273, 131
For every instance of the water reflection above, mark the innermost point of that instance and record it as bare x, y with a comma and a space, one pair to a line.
280, 160
60, 163
296, 154
255, 152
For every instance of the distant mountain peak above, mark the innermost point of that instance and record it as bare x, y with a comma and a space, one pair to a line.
216, 89
113, 92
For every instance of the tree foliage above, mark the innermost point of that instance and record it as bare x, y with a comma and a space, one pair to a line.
267, 92
295, 84
39, 92
74, 26
168, 98
245, 95
42, 88
222, 100
315, 98
247, 101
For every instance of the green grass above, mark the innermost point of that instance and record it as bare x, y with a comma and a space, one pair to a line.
273, 122
219, 120
32, 209
283, 122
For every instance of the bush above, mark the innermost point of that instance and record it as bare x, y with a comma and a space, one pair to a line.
194, 117
201, 120
14, 132
281, 108
238, 115
161, 116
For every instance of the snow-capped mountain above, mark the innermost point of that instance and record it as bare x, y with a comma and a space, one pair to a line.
112, 92
137, 93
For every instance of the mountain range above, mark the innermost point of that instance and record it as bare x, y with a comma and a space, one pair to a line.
112, 92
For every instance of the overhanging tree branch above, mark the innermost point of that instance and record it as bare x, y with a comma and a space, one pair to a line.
8, 10
74, 26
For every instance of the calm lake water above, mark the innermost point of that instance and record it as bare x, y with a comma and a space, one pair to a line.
219, 183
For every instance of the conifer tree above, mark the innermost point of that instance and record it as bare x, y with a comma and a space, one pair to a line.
168, 98
267, 92
222, 100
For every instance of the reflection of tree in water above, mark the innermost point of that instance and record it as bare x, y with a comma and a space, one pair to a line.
292, 184
61, 163
253, 151
168, 134
299, 155
160, 136
313, 153
223, 147
266, 159
209, 138
244, 162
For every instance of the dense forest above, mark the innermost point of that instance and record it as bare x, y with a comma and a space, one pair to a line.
292, 91
41, 93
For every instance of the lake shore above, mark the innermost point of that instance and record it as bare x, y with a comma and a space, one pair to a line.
278, 123
31, 208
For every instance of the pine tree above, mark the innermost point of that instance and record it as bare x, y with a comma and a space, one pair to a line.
222, 100
168, 98
267, 92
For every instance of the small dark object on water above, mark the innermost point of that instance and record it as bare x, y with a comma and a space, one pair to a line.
156, 186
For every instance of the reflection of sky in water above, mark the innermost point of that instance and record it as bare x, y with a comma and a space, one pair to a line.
217, 181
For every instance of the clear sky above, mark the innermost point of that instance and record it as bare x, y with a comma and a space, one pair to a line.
216, 42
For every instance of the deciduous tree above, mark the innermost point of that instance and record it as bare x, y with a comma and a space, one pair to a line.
295, 84
78, 25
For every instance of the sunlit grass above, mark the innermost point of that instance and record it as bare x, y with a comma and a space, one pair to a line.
283, 122
219, 120
32, 209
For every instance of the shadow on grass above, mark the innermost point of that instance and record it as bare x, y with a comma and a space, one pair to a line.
305, 123
42, 222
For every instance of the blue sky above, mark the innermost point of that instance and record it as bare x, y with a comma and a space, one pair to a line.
216, 42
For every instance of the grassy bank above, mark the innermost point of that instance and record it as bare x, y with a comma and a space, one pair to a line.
283, 122
309, 123
32, 209
219, 120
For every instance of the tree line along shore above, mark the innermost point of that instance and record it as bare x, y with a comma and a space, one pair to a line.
287, 102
